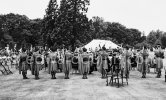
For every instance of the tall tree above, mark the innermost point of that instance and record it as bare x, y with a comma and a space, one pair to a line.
49, 20
35, 29
98, 26
154, 36
72, 23
163, 40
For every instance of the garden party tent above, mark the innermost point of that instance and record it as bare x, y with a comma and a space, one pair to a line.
96, 43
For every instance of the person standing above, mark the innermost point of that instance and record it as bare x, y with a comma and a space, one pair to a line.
75, 62
60, 61
159, 62
133, 61
67, 63
53, 63
139, 61
23, 64
145, 55
30, 60
37, 63
102, 62
127, 65
85, 63
115, 62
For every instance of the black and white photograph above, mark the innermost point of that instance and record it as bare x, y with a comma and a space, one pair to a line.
82, 49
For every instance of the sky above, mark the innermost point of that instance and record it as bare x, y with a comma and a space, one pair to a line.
144, 15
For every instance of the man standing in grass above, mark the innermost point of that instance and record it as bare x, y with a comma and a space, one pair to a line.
159, 61
23, 64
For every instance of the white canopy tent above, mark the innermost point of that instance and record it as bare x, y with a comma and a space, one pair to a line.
96, 43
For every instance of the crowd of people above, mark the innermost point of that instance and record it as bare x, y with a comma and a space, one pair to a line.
80, 61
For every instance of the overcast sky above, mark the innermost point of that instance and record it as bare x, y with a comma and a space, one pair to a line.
145, 15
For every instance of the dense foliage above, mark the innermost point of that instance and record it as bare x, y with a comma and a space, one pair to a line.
18, 29
157, 37
66, 25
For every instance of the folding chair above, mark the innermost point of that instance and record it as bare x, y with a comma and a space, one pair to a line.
115, 75
5, 69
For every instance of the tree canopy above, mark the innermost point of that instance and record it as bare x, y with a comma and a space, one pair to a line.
66, 25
